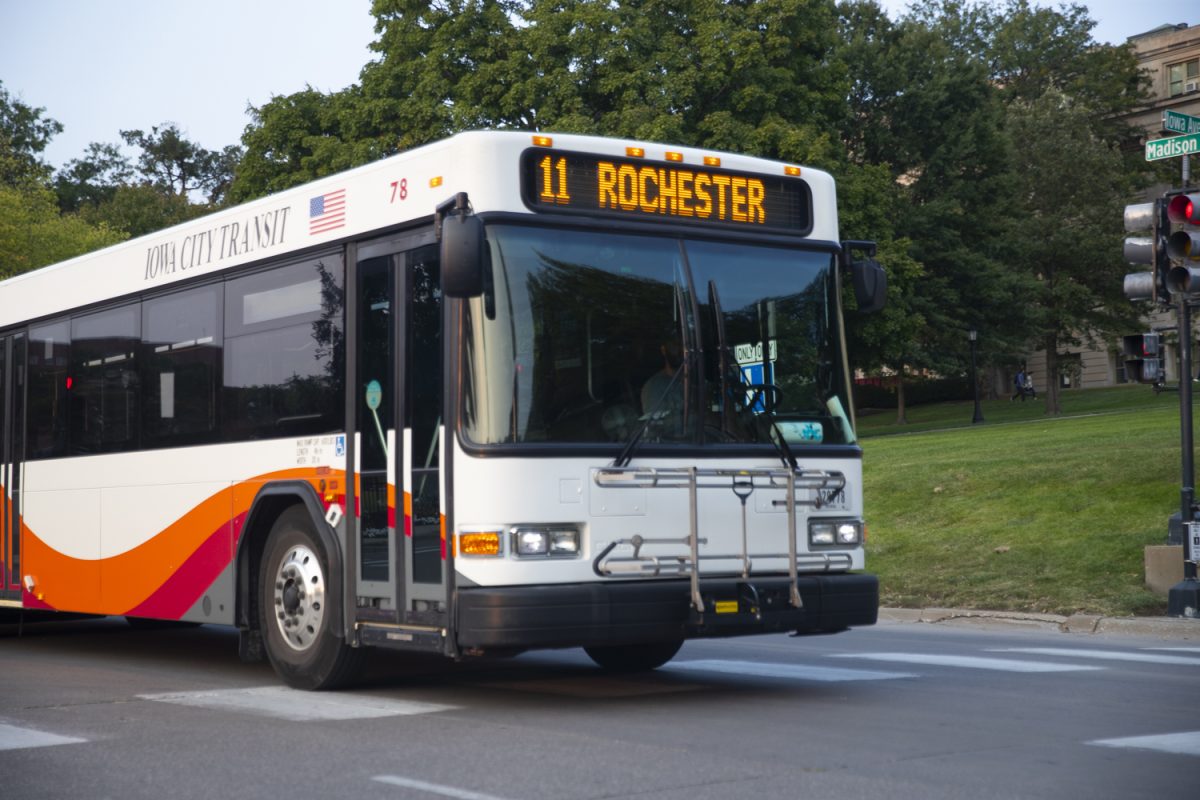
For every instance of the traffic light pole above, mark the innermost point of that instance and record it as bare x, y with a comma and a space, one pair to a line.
1183, 599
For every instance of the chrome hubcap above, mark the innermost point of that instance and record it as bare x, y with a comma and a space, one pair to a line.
299, 597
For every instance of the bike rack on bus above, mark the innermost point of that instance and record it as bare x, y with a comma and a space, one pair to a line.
742, 482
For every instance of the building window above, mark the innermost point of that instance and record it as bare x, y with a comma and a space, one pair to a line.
1183, 77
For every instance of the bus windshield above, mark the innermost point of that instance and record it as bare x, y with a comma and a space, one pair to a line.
586, 337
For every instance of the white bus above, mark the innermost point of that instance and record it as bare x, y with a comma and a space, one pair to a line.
504, 391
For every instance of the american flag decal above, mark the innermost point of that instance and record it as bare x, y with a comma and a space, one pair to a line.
327, 212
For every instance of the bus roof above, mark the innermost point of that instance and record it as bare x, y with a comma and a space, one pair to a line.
374, 198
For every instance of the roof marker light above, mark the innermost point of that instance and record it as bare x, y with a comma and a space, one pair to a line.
793, 171
543, 141
712, 161
635, 152
674, 156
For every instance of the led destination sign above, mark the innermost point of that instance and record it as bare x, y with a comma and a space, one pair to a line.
587, 183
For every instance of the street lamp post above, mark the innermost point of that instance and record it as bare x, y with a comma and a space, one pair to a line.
973, 335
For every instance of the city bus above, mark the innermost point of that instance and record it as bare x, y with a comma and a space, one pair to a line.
501, 392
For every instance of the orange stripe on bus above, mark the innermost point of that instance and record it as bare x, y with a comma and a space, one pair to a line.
117, 584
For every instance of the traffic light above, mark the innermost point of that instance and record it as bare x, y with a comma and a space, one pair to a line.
1143, 358
1146, 218
1184, 209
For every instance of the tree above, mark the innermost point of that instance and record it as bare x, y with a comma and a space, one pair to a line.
139, 208
935, 96
300, 137
33, 233
24, 134
92, 179
923, 105
752, 77
1067, 233
178, 166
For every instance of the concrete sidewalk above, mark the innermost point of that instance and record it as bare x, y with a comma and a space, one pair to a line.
1177, 628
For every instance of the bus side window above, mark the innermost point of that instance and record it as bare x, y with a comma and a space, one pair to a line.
104, 391
181, 367
284, 351
49, 356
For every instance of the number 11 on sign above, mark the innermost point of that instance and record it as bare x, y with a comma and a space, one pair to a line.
552, 168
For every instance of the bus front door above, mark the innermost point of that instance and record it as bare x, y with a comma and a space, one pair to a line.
397, 402
12, 441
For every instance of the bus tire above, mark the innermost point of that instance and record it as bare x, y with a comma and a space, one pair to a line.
634, 657
296, 612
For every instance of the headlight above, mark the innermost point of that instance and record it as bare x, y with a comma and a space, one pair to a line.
532, 541
834, 532
820, 533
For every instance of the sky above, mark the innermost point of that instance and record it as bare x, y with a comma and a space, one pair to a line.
102, 66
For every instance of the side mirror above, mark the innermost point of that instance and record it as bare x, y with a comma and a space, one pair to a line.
870, 285
870, 281
462, 252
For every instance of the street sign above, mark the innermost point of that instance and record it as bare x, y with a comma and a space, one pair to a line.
1174, 122
1175, 146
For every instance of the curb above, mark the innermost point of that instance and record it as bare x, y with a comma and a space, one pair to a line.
1159, 627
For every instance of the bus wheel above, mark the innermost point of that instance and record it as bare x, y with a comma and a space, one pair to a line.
633, 657
296, 615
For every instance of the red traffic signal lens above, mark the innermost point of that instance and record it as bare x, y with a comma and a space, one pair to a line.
1184, 208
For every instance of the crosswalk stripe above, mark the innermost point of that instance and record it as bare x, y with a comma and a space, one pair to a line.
970, 662
803, 672
1107, 655
434, 788
292, 704
14, 738
1186, 744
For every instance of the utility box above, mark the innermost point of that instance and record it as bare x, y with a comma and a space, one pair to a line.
1164, 567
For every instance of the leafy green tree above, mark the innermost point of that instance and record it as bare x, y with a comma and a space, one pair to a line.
1072, 187
139, 208
24, 134
887, 342
174, 164
33, 233
922, 103
303, 136
92, 179
751, 77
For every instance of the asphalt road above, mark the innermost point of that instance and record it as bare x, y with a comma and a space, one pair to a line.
96, 709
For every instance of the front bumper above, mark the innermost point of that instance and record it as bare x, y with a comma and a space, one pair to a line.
652, 610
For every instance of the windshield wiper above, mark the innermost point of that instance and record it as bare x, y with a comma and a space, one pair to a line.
627, 452
781, 445
684, 369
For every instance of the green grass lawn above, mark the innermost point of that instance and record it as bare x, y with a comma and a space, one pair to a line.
1024, 512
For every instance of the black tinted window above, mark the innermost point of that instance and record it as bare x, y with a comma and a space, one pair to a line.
283, 351
104, 381
181, 365
49, 355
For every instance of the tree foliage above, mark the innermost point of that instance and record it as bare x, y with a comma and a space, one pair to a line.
1072, 187
173, 164
24, 134
33, 233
